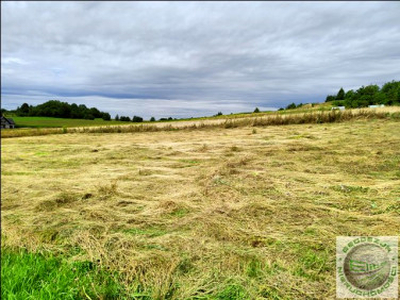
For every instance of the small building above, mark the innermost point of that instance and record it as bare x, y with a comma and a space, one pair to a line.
7, 123
376, 106
338, 108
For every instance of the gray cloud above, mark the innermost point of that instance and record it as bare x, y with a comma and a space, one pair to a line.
191, 58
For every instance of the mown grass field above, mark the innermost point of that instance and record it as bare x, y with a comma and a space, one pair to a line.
244, 212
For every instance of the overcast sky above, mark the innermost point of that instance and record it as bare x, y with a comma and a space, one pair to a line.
184, 59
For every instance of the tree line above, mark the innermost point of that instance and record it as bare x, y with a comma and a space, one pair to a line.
128, 119
58, 109
388, 94
291, 106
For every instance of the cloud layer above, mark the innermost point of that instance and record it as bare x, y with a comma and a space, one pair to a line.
186, 59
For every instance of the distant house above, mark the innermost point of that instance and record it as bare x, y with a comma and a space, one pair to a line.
376, 106
338, 108
7, 123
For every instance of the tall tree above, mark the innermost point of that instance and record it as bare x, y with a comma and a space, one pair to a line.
340, 95
24, 110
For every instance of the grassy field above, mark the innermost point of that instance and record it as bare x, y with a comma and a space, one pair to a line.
256, 119
47, 122
219, 212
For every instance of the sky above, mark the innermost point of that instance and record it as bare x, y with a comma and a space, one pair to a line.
190, 59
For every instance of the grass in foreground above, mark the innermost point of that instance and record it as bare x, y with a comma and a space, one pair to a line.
37, 276
219, 213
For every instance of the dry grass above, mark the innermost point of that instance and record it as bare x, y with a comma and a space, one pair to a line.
216, 213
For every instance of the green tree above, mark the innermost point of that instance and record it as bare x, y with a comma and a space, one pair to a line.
58, 109
95, 112
256, 110
349, 94
75, 112
106, 117
330, 98
391, 90
291, 106
24, 110
88, 116
152, 119
340, 95
137, 119
125, 119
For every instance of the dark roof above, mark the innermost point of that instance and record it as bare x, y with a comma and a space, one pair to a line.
9, 120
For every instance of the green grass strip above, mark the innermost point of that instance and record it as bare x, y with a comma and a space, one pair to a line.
37, 276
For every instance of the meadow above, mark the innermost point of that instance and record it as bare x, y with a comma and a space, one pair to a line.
295, 116
239, 209
48, 122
